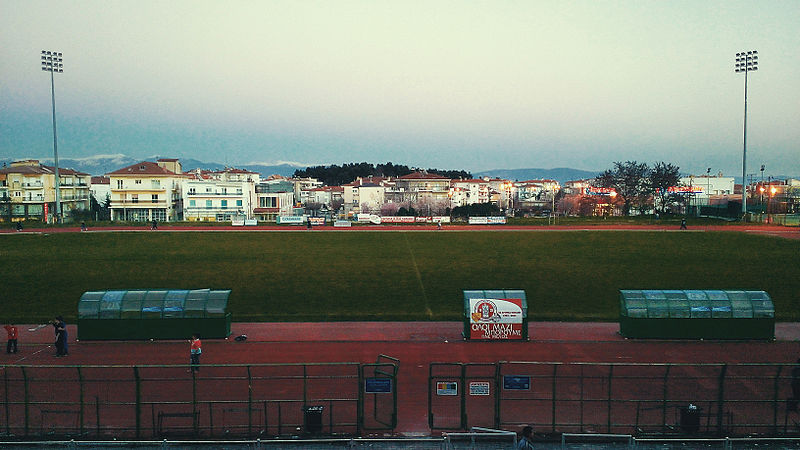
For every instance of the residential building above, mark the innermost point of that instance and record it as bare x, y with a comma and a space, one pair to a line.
323, 199
100, 188
302, 188
147, 191
537, 194
420, 188
219, 196
365, 195
468, 192
29, 191
274, 198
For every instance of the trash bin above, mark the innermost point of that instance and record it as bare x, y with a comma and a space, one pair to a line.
312, 416
690, 419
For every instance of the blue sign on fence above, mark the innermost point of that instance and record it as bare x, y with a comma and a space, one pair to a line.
378, 385
516, 382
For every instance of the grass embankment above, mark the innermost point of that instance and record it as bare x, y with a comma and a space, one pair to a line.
310, 276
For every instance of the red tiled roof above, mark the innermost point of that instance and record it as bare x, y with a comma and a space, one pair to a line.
143, 168
101, 180
423, 176
474, 180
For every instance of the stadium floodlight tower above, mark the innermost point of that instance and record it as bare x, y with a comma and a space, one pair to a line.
53, 62
745, 62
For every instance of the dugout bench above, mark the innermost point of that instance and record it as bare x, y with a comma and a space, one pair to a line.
153, 314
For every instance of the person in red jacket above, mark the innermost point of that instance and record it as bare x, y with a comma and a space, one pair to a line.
194, 352
13, 333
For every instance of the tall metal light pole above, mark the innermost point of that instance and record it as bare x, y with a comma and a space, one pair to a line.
53, 63
745, 62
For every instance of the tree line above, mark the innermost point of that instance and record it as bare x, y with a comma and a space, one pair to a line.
640, 186
335, 175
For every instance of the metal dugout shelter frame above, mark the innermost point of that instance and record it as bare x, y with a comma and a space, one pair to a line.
696, 314
153, 314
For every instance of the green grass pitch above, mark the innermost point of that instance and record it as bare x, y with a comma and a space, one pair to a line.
391, 275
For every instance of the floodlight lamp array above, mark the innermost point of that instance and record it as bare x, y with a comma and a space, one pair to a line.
746, 61
52, 62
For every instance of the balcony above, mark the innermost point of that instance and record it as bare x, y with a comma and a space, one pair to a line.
138, 204
35, 185
212, 194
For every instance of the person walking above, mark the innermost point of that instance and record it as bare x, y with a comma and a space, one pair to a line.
13, 332
526, 441
683, 224
195, 350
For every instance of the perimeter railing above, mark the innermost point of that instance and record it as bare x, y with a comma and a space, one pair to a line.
156, 401
616, 398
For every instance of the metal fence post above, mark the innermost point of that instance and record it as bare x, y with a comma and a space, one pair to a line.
721, 398
80, 397
610, 377
775, 401
496, 395
194, 401
463, 396
664, 401
5, 401
249, 402
138, 407
553, 397
27, 398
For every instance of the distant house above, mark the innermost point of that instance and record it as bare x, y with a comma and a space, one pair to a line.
274, 198
147, 191
419, 187
219, 196
29, 191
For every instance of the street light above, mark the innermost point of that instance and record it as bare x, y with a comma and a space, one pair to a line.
53, 62
745, 62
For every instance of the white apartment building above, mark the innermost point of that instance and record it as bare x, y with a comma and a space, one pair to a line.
468, 192
147, 191
365, 195
219, 196
302, 188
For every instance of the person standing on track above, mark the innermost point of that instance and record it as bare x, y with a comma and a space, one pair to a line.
194, 352
61, 336
13, 332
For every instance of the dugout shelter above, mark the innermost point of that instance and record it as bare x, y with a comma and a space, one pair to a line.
153, 314
696, 314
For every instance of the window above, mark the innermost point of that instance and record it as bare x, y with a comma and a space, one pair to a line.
135, 198
268, 202
208, 204
138, 182
119, 184
192, 203
239, 203
155, 184
191, 191
155, 198
224, 204
224, 190
239, 190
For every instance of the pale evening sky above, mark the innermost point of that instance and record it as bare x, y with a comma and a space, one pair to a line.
469, 85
